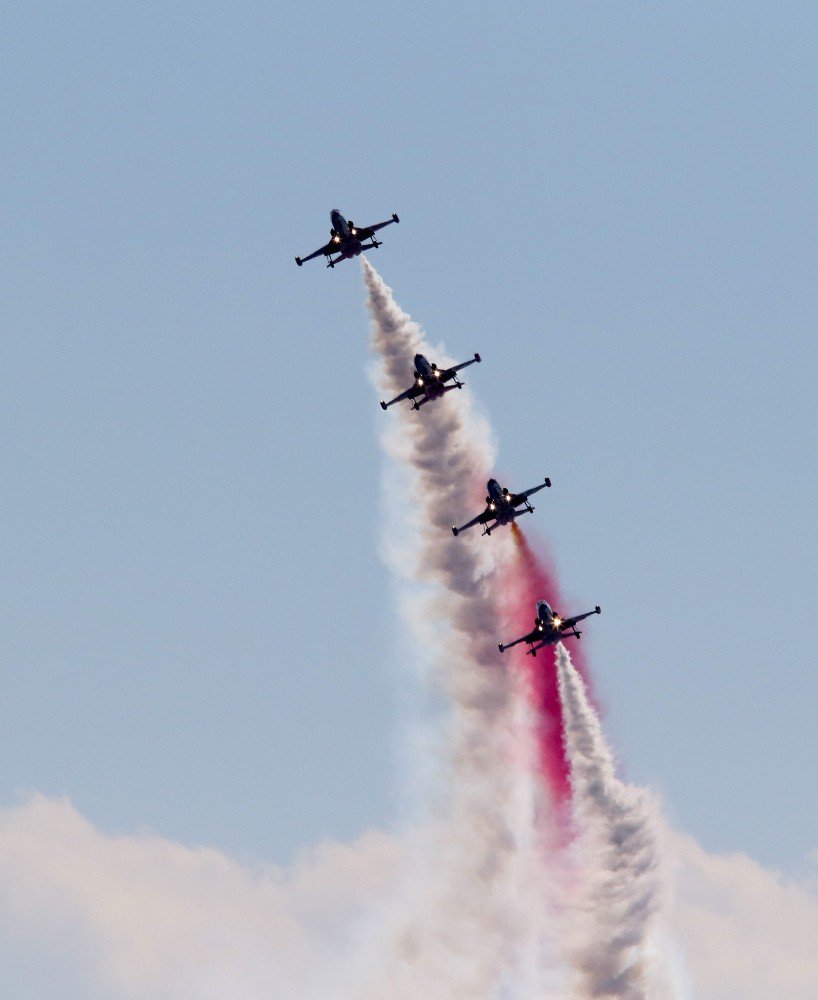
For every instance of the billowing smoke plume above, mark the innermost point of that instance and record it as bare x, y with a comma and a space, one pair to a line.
472, 924
618, 847
462, 934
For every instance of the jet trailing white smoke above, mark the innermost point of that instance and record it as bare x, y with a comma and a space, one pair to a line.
463, 928
473, 925
619, 854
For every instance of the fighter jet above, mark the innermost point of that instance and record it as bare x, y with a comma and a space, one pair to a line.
549, 628
502, 506
429, 382
346, 239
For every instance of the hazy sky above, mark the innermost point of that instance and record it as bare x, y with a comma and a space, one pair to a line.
614, 204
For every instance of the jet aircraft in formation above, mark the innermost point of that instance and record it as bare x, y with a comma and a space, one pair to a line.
429, 382
501, 506
549, 628
346, 239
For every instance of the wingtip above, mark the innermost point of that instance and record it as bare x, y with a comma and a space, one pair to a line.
500, 646
299, 261
598, 609
395, 217
383, 405
454, 531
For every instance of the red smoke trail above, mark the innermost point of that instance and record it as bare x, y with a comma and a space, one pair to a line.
532, 578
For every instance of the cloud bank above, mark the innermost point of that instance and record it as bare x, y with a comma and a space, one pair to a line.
88, 915
744, 932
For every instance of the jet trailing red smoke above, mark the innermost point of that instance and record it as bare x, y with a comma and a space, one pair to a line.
530, 577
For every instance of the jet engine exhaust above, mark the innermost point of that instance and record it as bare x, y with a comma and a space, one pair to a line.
529, 578
620, 854
468, 880
511, 723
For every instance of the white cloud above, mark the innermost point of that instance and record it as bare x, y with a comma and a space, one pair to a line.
744, 932
145, 917
84, 915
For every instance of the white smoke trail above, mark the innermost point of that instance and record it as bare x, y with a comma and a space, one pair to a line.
612, 951
461, 938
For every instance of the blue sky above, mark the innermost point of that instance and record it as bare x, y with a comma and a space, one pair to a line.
615, 205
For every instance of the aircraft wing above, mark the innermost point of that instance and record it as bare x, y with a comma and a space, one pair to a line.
365, 233
451, 372
535, 636
571, 622
411, 393
487, 515
326, 249
518, 498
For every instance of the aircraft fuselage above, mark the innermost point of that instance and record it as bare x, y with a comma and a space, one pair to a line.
344, 237
500, 503
428, 377
545, 623
544, 611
